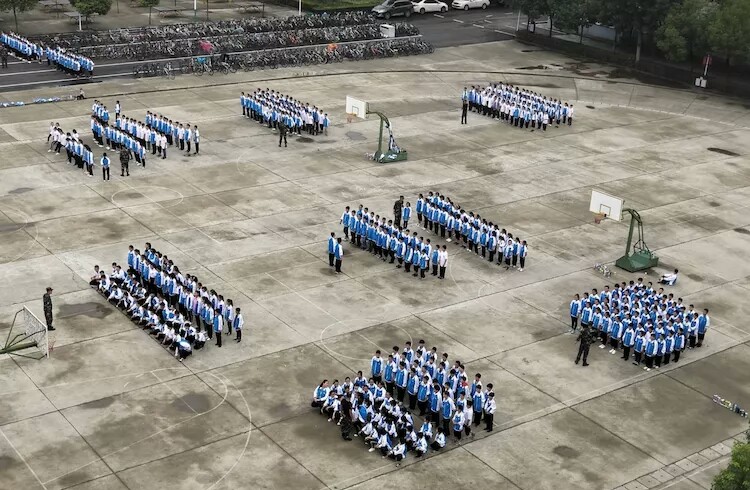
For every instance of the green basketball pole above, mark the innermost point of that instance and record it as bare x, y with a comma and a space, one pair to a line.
641, 258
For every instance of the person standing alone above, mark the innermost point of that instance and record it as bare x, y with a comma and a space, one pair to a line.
47, 303
464, 110
583, 349
282, 132
105, 167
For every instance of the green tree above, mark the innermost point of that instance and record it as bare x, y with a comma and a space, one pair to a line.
634, 16
737, 475
684, 32
575, 15
150, 4
17, 6
532, 9
729, 31
89, 7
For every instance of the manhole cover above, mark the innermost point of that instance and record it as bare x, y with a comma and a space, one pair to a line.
590, 107
355, 136
304, 139
723, 151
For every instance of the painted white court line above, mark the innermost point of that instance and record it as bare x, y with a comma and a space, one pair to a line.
458, 20
439, 16
477, 25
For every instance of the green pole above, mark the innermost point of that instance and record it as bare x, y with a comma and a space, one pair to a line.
17, 347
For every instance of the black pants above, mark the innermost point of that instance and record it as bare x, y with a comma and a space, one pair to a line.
583, 350
649, 361
389, 387
676, 355
638, 356
48, 319
282, 136
488, 419
573, 322
626, 352
239, 335
442, 272
463, 114
400, 393
434, 269
338, 265
331, 259
412, 401
667, 355
701, 336
691, 340
105, 173
422, 407
218, 339
477, 418
124, 169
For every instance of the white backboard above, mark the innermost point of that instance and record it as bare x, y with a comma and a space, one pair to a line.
604, 203
356, 107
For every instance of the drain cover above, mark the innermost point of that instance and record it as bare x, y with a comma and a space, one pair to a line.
590, 107
304, 139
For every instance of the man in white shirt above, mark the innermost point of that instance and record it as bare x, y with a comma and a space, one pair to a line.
489, 411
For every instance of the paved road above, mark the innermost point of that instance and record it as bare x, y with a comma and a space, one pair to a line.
452, 28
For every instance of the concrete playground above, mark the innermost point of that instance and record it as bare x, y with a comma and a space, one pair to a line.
110, 409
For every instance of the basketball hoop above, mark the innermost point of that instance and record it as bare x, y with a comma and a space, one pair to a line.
598, 217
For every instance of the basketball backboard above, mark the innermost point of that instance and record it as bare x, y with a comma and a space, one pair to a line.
356, 107
610, 206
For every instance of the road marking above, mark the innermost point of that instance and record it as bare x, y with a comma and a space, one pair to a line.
439, 16
477, 25
488, 15
506, 33
488, 21
459, 21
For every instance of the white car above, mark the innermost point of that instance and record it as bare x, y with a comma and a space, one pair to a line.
470, 4
423, 6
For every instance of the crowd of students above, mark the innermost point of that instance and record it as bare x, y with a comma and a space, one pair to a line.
517, 106
635, 317
438, 214
78, 153
154, 135
409, 384
70, 63
62, 59
274, 109
386, 239
21, 47
179, 311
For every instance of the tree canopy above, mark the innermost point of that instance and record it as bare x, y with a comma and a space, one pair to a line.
681, 29
736, 476
89, 7
17, 6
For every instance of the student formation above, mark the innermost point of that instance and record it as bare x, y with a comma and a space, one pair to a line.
385, 408
179, 311
66, 61
393, 238
637, 318
277, 110
517, 106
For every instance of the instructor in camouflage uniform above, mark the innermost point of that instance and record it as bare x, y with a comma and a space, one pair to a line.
585, 339
47, 302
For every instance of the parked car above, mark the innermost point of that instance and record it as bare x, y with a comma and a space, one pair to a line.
392, 8
423, 6
470, 4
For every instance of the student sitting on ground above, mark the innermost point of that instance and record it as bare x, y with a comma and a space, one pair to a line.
669, 279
